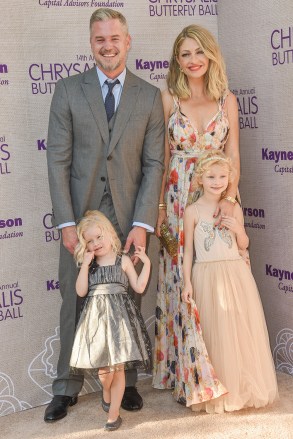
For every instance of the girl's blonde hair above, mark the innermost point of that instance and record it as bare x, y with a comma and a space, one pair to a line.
212, 158
215, 80
95, 218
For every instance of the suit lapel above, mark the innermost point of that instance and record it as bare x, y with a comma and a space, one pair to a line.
127, 102
93, 94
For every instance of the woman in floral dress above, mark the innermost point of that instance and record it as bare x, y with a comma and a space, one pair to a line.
200, 114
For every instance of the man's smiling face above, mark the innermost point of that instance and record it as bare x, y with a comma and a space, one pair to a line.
110, 43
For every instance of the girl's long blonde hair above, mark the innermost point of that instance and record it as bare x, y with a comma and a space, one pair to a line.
97, 218
215, 80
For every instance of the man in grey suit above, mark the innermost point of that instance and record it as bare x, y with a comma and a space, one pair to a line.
105, 151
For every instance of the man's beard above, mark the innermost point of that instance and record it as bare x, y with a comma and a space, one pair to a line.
108, 67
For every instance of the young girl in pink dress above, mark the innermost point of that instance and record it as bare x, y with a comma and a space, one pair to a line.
222, 285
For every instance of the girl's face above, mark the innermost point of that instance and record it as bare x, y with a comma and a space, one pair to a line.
97, 241
192, 59
216, 179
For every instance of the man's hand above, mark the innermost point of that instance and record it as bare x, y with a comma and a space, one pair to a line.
69, 238
137, 238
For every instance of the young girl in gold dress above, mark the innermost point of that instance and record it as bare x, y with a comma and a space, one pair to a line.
111, 335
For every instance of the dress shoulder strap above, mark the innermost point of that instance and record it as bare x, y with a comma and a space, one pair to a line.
197, 215
118, 259
93, 267
223, 98
176, 102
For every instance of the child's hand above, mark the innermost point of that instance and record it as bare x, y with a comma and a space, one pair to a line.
137, 282
141, 254
186, 294
88, 257
231, 223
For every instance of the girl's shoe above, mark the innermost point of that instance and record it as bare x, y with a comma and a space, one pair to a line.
111, 426
105, 406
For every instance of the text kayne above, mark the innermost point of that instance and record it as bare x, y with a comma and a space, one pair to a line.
140, 64
277, 272
276, 156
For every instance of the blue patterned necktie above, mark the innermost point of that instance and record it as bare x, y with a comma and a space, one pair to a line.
110, 100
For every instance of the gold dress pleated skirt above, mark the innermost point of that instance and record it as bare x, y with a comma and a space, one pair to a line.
111, 329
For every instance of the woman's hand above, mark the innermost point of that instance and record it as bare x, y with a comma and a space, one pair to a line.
161, 219
232, 224
224, 208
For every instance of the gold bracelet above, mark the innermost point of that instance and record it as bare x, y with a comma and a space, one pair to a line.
162, 206
231, 199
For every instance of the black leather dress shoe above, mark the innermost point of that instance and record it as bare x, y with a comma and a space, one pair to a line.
57, 409
131, 399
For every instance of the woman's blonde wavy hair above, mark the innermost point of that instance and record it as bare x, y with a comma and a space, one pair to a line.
215, 80
95, 218
207, 160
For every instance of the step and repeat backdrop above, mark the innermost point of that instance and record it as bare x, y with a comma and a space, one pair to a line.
257, 43
45, 40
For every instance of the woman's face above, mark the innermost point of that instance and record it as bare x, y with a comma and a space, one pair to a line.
192, 59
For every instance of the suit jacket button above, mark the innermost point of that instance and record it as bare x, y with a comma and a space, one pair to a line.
103, 179
109, 158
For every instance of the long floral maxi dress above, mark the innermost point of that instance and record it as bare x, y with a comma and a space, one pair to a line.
181, 361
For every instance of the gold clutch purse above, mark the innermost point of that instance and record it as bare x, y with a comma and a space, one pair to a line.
168, 240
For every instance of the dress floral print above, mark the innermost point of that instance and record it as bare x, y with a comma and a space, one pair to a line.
181, 361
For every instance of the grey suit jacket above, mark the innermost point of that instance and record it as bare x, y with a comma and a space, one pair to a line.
81, 155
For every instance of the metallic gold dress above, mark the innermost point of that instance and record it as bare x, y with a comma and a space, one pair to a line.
111, 329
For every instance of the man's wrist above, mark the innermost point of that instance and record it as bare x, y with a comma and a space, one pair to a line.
143, 226
63, 225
